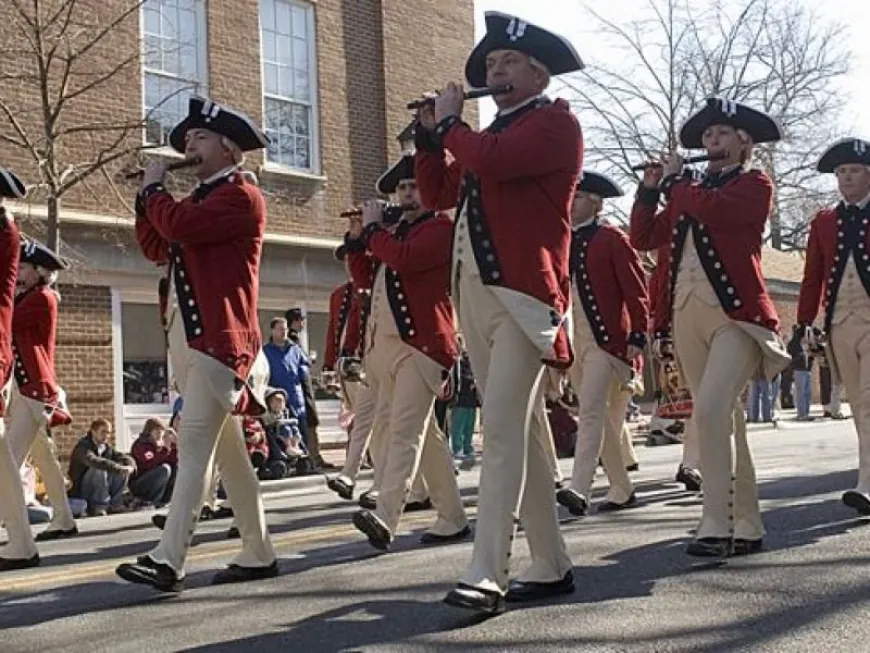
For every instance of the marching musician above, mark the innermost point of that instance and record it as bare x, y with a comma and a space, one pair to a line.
511, 283
38, 402
410, 346
20, 552
724, 324
837, 270
213, 241
610, 311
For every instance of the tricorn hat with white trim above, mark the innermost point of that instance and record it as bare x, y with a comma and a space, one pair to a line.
401, 170
846, 150
11, 185
601, 185
35, 253
506, 32
202, 113
721, 111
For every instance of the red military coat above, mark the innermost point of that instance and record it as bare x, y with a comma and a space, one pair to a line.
344, 332
518, 178
659, 289
417, 257
611, 284
726, 215
834, 234
10, 251
213, 240
34, 331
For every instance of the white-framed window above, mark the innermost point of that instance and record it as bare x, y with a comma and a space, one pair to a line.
174, 54
288, 43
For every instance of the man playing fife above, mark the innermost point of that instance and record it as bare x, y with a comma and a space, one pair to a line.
410, 346
725, 326
610, 308
838, 269
212, 240
515, 183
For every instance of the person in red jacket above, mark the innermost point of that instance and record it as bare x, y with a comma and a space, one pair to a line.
410, 346
610, 311
837, 272
38, 402
156, 455
20, 551
514, 182
213, 241
723, 321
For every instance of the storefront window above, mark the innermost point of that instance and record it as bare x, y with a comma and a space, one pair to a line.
145, 368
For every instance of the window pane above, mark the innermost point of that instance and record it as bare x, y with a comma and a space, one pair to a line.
269, 47
267, 14
285, 77
145, 369
187, 27
301, 86
171, 59
303, 158
151, 52
151, 20
169, 22
282, 18
300, 120
300, 53
271, 79
284, 54
300, 22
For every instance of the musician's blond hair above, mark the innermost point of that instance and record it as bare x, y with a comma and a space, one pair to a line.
541, 68
746, 149
235, 150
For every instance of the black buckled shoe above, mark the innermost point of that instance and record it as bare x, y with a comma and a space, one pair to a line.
417, 506
370, 526
343, 489
633, 467
857, 500
434, 538
223, 512
159, 521
711, 547
575, 502
472, 598
233, 533
744, 547
525, 591
239, 574
368, 500
610, 506
16, 564
147, 572
56, 534
689, 477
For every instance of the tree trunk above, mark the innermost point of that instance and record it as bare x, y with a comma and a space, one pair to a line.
53, 227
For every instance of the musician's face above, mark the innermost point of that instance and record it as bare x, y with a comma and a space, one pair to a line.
28, 276
407, 193
854, 181
515, 68
723, 139
208, 146
586, 206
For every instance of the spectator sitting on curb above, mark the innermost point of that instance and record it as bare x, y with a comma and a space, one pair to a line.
156, 458
99, 473
286, 448
256, 445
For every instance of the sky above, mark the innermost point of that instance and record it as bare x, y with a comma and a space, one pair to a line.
570, 18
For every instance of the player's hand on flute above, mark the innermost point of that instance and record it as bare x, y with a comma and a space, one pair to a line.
450, 102
652, 174
373, 212
155, 173
673, 164
426, 114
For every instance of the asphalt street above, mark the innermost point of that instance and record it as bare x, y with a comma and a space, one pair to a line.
636, 589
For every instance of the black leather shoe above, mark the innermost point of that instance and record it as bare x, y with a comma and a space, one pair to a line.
147, 572
372, 528
417, 506
857, 500
575, 502
159, 521
472, 598
341, 488
239, 574
233, 533
524, 591
222, 513
610, 506
711, 547
15, 564
743, 547
368, 500
634, 467
689, 477
433, 538
56, 534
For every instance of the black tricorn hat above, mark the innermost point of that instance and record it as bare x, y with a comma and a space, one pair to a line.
11, 185
506, 32
599, 184
399, 171
35, 253
847, 150
721, 111
202, 113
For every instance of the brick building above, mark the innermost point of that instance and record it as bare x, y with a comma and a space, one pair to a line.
328, 80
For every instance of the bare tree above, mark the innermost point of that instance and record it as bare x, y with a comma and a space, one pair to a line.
59, 61
775, 55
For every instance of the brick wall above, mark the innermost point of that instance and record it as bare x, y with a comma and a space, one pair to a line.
84, 359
